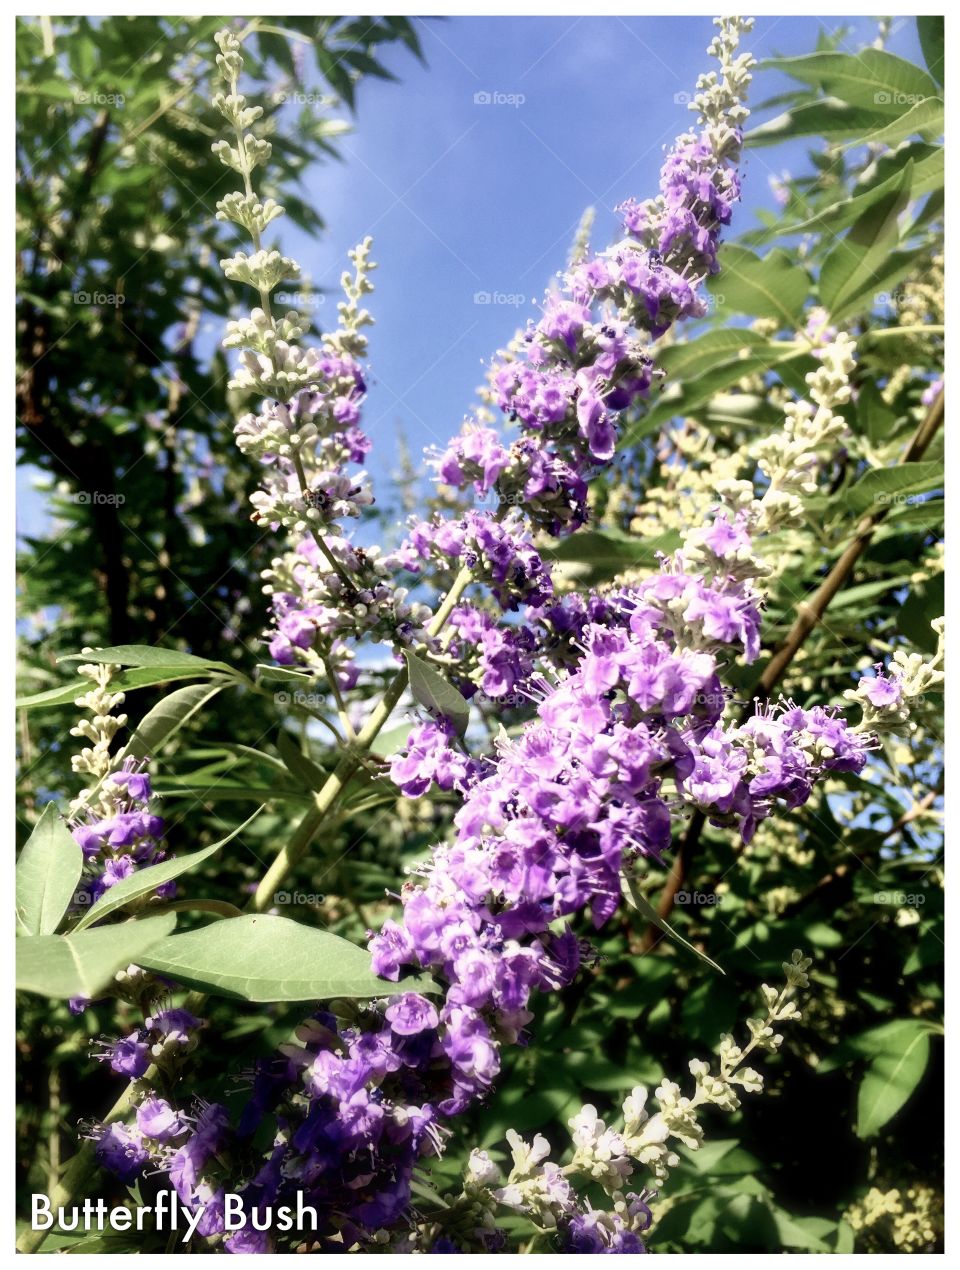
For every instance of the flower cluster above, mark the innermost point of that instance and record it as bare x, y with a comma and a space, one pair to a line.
112, 820
319, 612
561, 1199
887, 696
498, 552
586, 360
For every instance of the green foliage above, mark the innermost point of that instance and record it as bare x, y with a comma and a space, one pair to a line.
48, 870
264, 958
435, 694
121, 401
82, 965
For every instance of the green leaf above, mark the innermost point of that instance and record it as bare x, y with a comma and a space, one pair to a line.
892, 1077
873, 417
746, 357
927, 177
127, 681
889, 486
267, 958
147, 655
168, 716
922, 117
919, 609
930, 34
872, 78
435, 694
608, 551
306, 772
851, 271
773, 287
799, 1232
834, 120
268, 674
145, 881
647, 910
83, 965
714, 348
48, 871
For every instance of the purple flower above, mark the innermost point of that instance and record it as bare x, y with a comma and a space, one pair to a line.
880, 689
128, 1056
119, 1150
157, 1119
410, 1013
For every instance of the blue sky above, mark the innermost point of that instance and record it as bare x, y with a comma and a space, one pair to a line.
466, 197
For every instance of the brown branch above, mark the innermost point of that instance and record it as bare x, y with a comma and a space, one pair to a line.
810, 614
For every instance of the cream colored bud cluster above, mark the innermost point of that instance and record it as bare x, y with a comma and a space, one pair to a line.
261, 333
263, 270
909, 676
281, 373
721, 95
790, 458
353, 317
104, 725
910, 1220
607, 1156
95, 760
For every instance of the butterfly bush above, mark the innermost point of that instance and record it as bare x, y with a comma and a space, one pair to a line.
632, 730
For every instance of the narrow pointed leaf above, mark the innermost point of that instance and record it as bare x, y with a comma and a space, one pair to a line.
647, 910
48, 871
266, 958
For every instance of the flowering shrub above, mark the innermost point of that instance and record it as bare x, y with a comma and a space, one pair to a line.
629, 724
